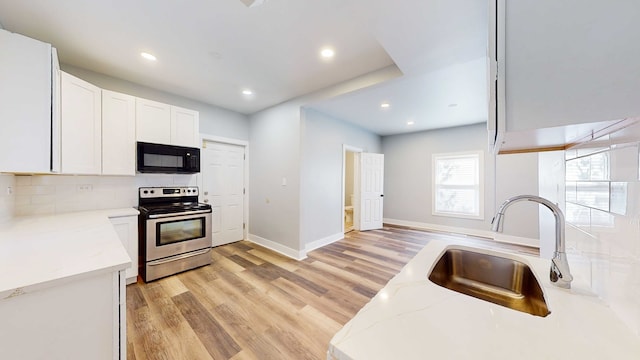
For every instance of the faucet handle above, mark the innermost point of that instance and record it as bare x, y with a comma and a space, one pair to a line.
559, 273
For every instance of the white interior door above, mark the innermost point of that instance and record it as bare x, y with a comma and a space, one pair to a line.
371, 191
223, 188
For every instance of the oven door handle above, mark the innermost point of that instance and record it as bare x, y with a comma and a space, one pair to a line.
157, 216
180, 257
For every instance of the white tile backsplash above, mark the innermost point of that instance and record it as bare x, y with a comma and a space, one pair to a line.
50, 194
604, 218
7, 196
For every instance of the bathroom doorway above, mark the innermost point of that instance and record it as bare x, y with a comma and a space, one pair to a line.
350, 188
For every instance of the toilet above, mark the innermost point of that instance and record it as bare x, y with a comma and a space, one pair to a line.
348, 215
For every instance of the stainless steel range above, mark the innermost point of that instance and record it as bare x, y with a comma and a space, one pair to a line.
175, 231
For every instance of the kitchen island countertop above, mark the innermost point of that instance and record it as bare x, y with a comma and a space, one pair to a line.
413, 318
37, 252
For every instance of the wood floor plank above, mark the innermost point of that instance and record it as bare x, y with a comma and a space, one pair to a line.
249, 337
253, 303
213, 336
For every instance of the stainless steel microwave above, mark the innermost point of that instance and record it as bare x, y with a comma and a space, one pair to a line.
167, 159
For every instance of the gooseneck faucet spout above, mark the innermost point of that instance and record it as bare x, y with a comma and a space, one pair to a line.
559, 274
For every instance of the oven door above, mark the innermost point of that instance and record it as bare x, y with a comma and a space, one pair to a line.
174, 234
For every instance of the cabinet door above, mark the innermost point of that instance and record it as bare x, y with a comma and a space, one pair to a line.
118, 133
185, 127
153, 121
127, 230
25, 104
80, 116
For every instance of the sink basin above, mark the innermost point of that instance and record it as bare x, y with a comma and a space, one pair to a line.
494, 278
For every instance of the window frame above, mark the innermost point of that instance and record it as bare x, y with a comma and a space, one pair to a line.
479, 187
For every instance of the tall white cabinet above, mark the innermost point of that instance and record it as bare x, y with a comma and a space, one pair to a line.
562, 63
80, 115
25, 103
118, 133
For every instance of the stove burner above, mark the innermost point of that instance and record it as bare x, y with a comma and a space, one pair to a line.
154, 201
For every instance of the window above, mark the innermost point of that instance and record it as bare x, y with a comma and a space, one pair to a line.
458, 185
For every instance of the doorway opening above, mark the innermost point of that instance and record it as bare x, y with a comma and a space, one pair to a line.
350, 182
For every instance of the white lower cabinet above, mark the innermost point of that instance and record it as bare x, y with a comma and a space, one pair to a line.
127, 229
79, 319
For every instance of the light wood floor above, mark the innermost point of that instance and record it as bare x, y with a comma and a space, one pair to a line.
252, 303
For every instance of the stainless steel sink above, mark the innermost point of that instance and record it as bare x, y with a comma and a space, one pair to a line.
493, 278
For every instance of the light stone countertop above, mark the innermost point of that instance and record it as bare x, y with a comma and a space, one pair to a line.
413, 318
37, 252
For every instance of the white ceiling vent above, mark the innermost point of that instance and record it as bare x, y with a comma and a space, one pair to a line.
253, 3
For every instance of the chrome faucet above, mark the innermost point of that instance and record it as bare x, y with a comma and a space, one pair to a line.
559, 274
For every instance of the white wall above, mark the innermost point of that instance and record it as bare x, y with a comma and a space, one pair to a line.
275, 154
408, 183
321, 201
606, 232
275, 136
7, 197
213, 120
517, 174
408, 178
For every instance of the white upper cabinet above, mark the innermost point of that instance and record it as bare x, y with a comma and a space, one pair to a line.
185, 127
118, 133
25, 104
153, 121
81, 133
165, 124
562, 64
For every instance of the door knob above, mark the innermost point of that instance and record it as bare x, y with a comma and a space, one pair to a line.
206, 193
206, 200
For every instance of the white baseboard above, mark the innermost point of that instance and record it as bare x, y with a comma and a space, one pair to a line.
277, 247
324, 241
465, 231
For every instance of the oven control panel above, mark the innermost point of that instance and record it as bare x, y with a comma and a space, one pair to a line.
167, 192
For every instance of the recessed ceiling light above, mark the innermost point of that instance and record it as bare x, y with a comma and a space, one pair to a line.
327, 53
247, 92
253, 3
410, 123
385, 105
148, 56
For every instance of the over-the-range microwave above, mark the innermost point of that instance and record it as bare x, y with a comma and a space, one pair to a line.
167, 159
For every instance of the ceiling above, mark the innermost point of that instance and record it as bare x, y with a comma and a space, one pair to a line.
210, 50
452, 96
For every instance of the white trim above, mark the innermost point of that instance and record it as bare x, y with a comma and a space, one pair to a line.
221, 139
323, 242
354, 149
239, 142
277, 247
499, 237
